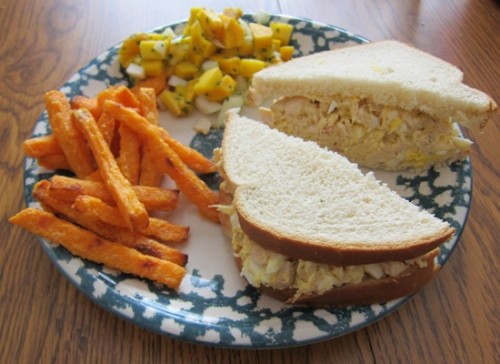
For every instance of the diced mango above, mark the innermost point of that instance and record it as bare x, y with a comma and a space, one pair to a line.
286, 52
130, 48
264, 54
199, 44
175, 103
177, 52
235, 13
229, 65
262, 35
211, 23
196, 59
250, 66
185, 70
152, 68
276, 44
234, 34
193, 17
153, 49
188, 91
224, 88
168, 99
283, 32
246, 50
207, 81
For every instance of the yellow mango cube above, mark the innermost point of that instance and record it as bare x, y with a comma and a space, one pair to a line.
175, 103
169, 100
207, 81
152, 68
196, 59
199, 44
234, 34
224, 88
262, 35
185, 70
130, 48
177, 52
276, 44
211, 23
246, 50
193, 15
250, 66
264, 54
286, 53
235, 13
229, 65
282, 31
153, 49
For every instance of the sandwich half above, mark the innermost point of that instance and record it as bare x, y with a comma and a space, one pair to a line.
384, 105
307, 226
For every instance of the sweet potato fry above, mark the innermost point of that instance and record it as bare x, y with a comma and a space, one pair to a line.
120, 94
157, 228
88, 245
84, 102
158, 84
188, 183
191, 157
166, 231
68, 136
107, 125
54, 161
129, 159
40, 146
133, 211
154, 198
148, 108
149, 174
94, 176
134, 240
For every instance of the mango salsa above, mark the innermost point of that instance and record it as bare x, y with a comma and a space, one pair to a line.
207, 81
214, 56
262, 36
249, 66
283, 32
223, 89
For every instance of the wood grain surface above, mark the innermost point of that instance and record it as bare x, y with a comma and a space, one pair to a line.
44, 319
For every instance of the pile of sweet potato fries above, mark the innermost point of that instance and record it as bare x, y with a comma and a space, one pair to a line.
119, 154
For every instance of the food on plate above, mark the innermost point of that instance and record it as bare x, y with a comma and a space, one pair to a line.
383, 105
308, 227
186, 180
88, 245
134, 213
68, 137
104, 214
153, 198
211, 61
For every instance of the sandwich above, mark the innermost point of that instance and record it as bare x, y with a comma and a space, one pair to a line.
383, 105
308, 227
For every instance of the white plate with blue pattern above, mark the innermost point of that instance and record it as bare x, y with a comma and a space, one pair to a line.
214, 305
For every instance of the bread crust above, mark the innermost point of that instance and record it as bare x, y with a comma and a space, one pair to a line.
328, 254
339, 254
368, 292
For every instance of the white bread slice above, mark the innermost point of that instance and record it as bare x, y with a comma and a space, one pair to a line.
298, 199
387, 73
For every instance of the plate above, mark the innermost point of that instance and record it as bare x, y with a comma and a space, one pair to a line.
214, 305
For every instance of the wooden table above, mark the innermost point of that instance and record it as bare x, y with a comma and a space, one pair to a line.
43, 318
